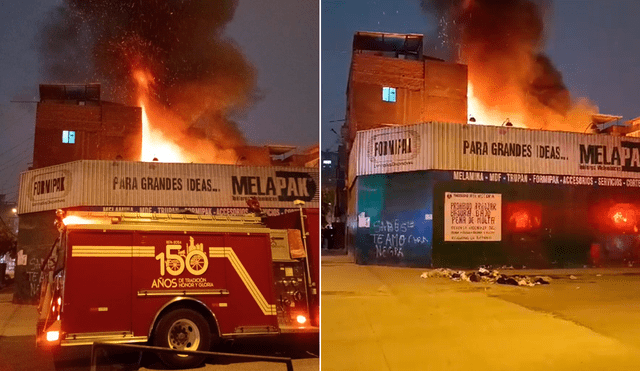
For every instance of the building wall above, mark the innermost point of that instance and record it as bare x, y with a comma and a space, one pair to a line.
102, 132
426, 90
394, 219
532, 225
36, 235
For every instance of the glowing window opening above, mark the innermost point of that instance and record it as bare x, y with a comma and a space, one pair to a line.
388, 94
68, 136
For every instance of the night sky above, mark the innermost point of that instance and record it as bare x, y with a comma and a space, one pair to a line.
279, 37
594, 44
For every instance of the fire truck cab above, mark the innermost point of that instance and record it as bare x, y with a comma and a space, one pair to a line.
173, 280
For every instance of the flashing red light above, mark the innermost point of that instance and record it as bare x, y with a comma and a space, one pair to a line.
524, 216
623, 216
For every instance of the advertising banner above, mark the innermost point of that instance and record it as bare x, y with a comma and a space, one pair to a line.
150, 187
472, 216
466, 147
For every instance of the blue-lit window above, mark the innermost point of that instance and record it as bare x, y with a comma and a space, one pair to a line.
389, 94
68, 136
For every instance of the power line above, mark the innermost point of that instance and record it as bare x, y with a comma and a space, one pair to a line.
16, 155
26, 151
24, 157
19, 144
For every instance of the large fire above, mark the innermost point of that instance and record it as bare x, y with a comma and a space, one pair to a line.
162, 138
172, 58
516, 110
511, 80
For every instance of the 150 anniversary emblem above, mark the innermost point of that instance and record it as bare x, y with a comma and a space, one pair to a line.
194, 259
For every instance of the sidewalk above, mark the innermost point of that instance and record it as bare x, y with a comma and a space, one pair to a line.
388, 318
16, 319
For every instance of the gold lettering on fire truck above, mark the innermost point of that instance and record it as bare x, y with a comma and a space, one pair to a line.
176, 259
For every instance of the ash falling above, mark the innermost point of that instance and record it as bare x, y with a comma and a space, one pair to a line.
199, 77
502, 43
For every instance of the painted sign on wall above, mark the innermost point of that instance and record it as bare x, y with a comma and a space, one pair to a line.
472, 216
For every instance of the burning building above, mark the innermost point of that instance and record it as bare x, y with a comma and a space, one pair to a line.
427, 186
73, 123
169, 145
392, 84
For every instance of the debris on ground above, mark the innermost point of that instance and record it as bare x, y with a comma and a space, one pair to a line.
488, 276
572, 277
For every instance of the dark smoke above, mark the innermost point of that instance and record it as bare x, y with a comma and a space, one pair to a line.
501, 41
199, 74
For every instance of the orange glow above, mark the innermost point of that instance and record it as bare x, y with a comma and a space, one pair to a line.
53, 335
521, 112
524, 216
619, 218
164, 131
301, 319
155, 145
623, 216
76, 220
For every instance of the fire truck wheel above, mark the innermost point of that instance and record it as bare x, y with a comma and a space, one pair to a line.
183, 329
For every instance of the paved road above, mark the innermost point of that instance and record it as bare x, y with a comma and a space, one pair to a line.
386, 318
18, 351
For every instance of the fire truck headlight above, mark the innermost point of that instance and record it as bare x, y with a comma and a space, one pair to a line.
53, 335
301, 319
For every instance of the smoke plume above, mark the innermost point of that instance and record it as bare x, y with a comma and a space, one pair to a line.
501, 41
199, 77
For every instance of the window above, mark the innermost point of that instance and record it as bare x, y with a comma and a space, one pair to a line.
68, 136
389, 94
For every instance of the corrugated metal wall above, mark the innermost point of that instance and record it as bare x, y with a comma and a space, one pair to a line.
445, 146
123, 183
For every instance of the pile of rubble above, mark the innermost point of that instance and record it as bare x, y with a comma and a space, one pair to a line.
489, 276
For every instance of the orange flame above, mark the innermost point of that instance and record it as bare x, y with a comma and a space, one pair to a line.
520, 112
154, 144
163, 138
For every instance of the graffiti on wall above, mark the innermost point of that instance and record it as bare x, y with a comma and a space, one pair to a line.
390, 237
33, 273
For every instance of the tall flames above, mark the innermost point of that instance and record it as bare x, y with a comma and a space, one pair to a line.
162, 136
169, 57
510, 78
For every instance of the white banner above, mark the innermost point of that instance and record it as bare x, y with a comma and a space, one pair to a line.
446, 146
148, 184
472, 216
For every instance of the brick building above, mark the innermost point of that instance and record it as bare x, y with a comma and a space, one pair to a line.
72, 123
392, 84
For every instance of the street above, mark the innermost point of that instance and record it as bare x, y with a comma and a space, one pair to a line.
388, 318
19, 353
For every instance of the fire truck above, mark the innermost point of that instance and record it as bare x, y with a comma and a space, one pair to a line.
181, 281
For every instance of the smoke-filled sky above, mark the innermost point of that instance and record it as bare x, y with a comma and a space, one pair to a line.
590, 48
264, 53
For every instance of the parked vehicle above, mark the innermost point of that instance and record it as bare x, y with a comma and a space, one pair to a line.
173, 280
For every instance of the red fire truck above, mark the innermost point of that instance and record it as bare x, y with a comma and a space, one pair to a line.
174, 280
